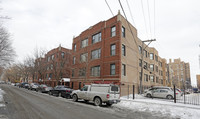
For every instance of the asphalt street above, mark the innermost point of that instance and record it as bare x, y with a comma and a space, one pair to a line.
25, 104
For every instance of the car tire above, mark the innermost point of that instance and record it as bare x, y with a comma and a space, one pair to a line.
97, 101
50, 93
75, 98
149, 95
169, 97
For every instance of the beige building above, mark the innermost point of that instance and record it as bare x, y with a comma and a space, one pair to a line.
181, 73
198, 81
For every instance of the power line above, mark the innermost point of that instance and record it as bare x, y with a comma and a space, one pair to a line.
130, 13
109, 7
154, 19
128, 23
149, 18
144, 18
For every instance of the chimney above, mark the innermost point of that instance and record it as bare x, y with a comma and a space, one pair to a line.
60, 47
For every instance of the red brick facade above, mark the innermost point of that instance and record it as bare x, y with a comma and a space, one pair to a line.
54, 66
105, 59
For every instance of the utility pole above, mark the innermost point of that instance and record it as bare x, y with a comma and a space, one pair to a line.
143, 60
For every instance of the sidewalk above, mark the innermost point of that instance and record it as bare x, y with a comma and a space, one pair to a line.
163, 106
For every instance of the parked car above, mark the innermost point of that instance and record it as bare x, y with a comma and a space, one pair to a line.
26, 85
43, 88
61, 91
22, 85
161, 92
98, 93
33, 86
17, 84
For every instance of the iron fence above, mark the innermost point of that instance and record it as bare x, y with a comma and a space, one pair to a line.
187, 96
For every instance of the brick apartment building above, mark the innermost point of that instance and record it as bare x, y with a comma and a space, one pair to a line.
181, 73
53, 67
110, 52
198, 81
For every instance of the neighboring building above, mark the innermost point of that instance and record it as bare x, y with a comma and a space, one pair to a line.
109, 52
198, 81
155, 68
54, 66
181, 73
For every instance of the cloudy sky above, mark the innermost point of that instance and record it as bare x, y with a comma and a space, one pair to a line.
48, 23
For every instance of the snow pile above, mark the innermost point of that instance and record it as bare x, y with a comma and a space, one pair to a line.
1, 97
160, 106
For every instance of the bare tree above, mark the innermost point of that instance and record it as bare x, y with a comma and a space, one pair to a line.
6, 50
39, 63
12, 73
60, 67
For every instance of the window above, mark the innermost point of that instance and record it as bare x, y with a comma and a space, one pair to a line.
156, 68
145, 65
152, 78
95, 71
145, 53
96, 38
52, 57
113, 31
51, 66
151, 56
85, 88
140, 49
84, 43
123, 32
84, 57
156, 58
74, 60
112, 69
50, 75
96, 54
48, 59
62, 54
160, 63
72, 72
74, 47
161, 73
151, 67
145, 77
82, 72
156, 79
123, 50
140, 62
123, 69
112, 49
47, 67
163, 91
161, 81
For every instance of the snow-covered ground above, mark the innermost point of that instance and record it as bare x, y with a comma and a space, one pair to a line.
1, 98
163, 106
